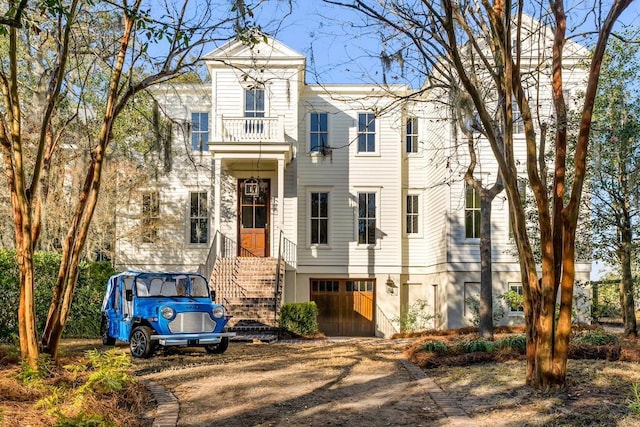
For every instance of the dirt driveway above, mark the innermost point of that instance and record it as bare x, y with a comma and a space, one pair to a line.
336, 382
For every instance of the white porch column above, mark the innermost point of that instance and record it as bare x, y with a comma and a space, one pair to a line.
217, 185
280, 195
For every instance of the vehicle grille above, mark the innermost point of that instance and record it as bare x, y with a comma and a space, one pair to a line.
189, 323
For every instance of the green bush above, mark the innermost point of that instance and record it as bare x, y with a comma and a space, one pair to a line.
299, 318
417, 318
596, 337
437, 347
513, 342
84, 317
476, 345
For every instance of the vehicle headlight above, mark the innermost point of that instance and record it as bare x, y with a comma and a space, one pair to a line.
218, 311
168, 313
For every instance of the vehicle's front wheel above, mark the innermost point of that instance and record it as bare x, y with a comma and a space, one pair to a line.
219, 348
104, 332
140, 342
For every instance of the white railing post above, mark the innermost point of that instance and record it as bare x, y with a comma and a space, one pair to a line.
280, 136
220, 127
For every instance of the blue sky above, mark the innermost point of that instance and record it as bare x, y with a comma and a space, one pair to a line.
339, 49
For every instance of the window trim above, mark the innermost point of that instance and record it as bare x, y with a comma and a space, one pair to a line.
311, 190
151, 235
375, 122
515, 312
244, 102
414, 135
198, 218
310, 150
204, 145
475, 210
405, 214
377, 192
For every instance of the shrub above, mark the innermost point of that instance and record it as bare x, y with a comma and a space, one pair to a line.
634, 403
299, 318
416, 318
437, 347
513, 342
476, 345
84, 317
109, 372
596, 337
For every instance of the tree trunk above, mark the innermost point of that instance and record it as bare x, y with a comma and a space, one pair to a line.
486, 281
626, 285
26, 310
77, 235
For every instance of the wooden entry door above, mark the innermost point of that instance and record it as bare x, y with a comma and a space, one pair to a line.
253, 217
345, 307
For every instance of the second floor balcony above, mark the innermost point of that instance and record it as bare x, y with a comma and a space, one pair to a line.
250, 130
248, 138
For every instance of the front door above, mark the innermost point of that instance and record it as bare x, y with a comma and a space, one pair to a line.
253, 217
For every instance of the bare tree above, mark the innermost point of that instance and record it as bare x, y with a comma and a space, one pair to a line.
490, 48
141, 46
615, 170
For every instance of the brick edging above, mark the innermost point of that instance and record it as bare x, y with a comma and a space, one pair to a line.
168, 406
455, 414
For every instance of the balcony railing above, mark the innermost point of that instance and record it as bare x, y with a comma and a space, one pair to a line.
251, 129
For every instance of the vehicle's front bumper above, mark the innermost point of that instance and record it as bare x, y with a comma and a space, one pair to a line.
191, 339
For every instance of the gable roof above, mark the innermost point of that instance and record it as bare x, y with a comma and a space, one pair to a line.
272, 52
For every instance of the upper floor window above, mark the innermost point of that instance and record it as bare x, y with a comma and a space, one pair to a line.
150, 216
319, 218
318, 132
518, 122
254, 102
199, 219
254, 107
200, 131
471, 213
411, 137
412, 214
366, 218
366, 133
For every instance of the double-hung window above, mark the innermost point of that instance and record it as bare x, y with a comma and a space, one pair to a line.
471, 213
411, 137
200, 131
412, 214
366, 218
366, 133
516, 294
319, 217
150, 216
318, 132
254, 108
199, 231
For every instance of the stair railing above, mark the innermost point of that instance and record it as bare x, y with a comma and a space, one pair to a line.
276, 291
206, 269
289, 251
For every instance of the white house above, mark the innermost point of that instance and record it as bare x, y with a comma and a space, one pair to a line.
360, 196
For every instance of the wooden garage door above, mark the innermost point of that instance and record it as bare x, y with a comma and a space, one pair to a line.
345, 306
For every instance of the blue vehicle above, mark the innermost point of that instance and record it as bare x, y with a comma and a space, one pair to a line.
148, 309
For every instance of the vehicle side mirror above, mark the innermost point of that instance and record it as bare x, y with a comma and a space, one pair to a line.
128, 294
213, 296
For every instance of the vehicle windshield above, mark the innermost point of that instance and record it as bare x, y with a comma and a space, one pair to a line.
171, 286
